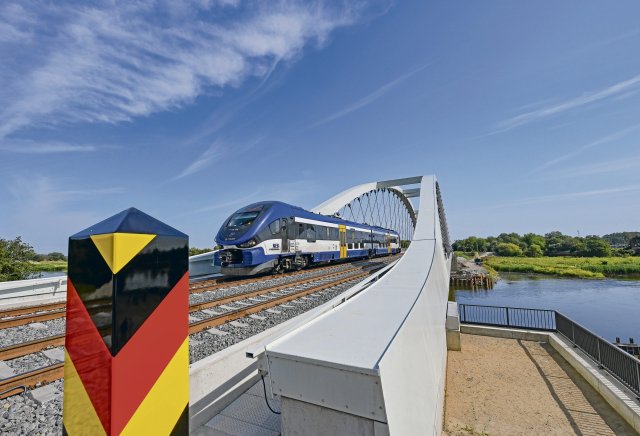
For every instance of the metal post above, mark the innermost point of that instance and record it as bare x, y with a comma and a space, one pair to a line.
508, 325
638, 375
126, 364
599, 358
464, 311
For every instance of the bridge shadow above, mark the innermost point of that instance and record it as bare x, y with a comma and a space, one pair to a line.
585, 409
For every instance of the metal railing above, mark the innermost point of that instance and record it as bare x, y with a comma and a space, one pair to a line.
617, 362
516, 317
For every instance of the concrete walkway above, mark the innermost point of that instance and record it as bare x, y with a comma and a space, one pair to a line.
512, 387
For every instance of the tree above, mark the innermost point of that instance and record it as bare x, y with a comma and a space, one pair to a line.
596, 247
508, 249
534, 250
193, 250
56, 256
14, 260
533, 239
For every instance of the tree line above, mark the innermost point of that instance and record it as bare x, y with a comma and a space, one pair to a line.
553, 244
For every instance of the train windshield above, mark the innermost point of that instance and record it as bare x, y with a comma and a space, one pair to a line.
241, 219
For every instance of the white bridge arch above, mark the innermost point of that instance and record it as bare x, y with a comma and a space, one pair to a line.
387, 204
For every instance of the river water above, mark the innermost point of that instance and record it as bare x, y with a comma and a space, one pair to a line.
608, 307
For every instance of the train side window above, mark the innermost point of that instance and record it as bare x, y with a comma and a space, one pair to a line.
311, 233
301, 231
275, 227
350, 246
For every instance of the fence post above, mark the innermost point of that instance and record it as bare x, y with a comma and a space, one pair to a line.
126, 364
638, 374
508, 325
464, 311
599, 358
573, 334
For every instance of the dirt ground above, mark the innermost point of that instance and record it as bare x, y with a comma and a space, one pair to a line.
512, 387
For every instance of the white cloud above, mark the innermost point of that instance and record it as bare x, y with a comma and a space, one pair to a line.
370, 98
116, 61
44, 147
571, 196
45, 214
596, 143
612, 166
619, 89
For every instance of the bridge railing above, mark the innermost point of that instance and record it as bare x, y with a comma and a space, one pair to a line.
620, 364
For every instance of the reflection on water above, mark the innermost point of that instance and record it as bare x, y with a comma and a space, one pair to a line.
45, 274
608, 307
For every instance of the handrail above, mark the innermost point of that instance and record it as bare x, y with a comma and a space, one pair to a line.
620, 364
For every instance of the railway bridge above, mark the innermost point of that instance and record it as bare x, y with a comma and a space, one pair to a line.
346, 348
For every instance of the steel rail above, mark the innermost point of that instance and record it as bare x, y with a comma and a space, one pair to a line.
17, 384
24, 348
27, 315
213, 321
34, 346
206, 285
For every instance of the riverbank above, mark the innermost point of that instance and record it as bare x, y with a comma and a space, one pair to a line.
578, 267
51, 265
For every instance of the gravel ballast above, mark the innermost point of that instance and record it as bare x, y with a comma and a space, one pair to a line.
21, 415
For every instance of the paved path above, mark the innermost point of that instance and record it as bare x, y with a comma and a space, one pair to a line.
512, 387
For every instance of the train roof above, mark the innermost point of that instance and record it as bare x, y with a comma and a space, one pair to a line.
278, 209
282, 210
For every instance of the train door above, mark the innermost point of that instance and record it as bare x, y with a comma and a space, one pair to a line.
284, 244
343, 241
388, 237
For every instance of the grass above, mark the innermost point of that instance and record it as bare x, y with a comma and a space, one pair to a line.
581, 267
51, 265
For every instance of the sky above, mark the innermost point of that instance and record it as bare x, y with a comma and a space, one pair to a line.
528, 113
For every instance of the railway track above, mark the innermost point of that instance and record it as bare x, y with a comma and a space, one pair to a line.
46, 312
28, 380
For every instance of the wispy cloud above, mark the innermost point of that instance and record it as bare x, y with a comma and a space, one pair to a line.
111, 62
45, 212
625, 87
286, 191
46, 147
596, 143
370, 98
216, 151
608, 167
575, 195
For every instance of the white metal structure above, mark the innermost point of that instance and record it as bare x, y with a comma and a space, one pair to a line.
378, 361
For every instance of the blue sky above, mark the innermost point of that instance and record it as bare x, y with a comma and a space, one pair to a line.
527, 112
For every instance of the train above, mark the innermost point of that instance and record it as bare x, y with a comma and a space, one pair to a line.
274, 237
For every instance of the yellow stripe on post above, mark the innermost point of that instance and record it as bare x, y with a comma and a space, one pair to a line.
160, 410
80, 417
118, 249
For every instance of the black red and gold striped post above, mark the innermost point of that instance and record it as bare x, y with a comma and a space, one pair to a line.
126, 367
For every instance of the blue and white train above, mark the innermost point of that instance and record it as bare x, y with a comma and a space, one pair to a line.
274, 237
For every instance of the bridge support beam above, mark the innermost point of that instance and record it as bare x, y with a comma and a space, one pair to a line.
126, 347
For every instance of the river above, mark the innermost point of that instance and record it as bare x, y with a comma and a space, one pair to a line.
608, 307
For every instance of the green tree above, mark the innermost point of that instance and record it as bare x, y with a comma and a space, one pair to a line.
14, 260
56, 256
508, 249
534, 250
596, 247
193, 250
533, 239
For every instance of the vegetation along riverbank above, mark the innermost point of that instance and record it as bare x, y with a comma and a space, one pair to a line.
581, 267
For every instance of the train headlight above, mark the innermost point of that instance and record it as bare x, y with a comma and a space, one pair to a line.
250, 243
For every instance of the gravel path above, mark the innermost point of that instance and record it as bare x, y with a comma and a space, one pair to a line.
21, 415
